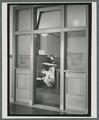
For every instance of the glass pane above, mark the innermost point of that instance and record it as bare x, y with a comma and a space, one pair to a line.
75, 73
48, 69
75, 15
76, 51
23, 20
75, 93
50, 19
75, 83
23, 50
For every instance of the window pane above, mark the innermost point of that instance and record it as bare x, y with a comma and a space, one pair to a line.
23, 20
50, 19
75, 15
23, 50
76, 50
75, 83
75, 73
75, 93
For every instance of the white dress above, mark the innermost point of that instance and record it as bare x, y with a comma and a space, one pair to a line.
49, 78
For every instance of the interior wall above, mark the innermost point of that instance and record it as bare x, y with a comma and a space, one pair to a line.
43, 43
51, 45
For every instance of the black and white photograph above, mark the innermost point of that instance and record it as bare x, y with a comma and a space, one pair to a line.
50, 53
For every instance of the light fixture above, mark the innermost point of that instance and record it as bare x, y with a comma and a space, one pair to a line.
44, 34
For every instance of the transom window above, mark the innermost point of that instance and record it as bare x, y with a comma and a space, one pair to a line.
48, 17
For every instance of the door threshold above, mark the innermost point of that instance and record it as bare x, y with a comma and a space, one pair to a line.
40, 106
71, 111
46, 107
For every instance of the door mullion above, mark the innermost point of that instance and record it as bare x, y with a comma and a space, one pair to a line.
33, 58
14, 57
62, 71
62, 76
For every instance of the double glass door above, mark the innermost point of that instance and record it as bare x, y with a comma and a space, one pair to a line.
52, 57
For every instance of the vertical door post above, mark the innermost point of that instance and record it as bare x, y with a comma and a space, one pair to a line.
62, 87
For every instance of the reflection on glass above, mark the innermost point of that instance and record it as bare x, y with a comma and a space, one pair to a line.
47, 69
75, 15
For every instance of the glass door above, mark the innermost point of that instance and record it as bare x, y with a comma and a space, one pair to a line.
75, 74
22, 57
76, 56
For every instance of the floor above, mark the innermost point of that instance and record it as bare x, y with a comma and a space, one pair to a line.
47, 96
15, 109
22, 110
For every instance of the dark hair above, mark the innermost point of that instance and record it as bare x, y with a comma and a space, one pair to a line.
51, 58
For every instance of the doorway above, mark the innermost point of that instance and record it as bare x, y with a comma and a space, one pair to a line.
47, 69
